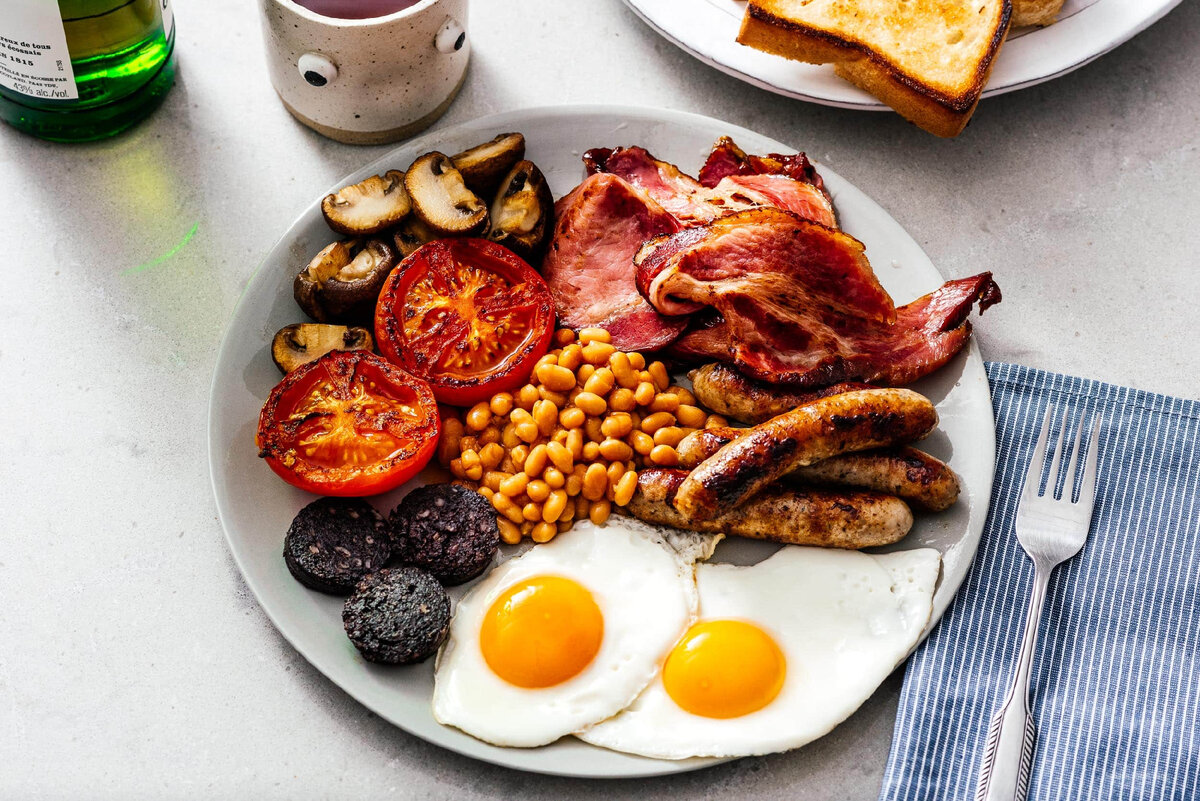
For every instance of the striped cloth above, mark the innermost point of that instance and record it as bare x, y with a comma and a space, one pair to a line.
1116, 677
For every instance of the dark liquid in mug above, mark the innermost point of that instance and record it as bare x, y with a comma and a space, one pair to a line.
356, 9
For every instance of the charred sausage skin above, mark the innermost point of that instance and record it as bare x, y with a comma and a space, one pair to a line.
844, 423
920, 479
789, 515
731, 394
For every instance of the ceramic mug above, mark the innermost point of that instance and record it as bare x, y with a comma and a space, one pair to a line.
367, 81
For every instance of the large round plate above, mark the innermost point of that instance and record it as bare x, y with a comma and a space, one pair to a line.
1086, 30
255, 507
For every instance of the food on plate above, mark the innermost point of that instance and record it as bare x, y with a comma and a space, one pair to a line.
788, 301
916, 477
348, 424
1035, 12
397, 616
300, 343
446, 530
692, 202
369, 206
781, 652
598, 228
410, 235
612, 632
467, 315
746, 267
334, 542
727, 392
342, 282
851, 421
630, 197
927, 59
786, 514
523, 211
907, 473
440, 198
568, 444
727, 159
485, 165
566, 634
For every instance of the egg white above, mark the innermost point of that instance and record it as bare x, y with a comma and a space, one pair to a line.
643, 581
843, 619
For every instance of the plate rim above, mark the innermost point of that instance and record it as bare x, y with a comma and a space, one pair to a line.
650, 11
320, 660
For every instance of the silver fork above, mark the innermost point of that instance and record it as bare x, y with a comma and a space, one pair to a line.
1051, 530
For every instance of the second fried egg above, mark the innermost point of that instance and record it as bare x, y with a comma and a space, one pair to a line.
780, 653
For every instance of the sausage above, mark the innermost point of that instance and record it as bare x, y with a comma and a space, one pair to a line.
727, 392
794, 516
704, 442
853, 421
923, 480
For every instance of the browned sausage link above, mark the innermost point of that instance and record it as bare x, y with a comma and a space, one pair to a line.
853, 421
703, 443
727, 392
795, 516
923, 480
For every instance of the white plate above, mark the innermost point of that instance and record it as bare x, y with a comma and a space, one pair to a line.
1086, 30
256, 507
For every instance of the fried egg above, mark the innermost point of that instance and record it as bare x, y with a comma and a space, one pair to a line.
780, 653
568, 633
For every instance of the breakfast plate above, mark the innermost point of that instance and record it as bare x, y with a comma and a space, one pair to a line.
1086, 30
255, 507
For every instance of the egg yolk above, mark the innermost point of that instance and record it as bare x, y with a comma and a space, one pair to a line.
724, 669
541, 632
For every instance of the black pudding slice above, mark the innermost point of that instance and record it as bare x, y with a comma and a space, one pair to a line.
397, 616
334, 542
446, 529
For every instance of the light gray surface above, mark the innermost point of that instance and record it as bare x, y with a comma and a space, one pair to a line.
133, 662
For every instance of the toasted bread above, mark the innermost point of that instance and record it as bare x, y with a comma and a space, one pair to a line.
1035, 12
927, 59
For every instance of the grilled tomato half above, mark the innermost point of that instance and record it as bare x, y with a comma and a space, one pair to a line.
350, 424
467, 315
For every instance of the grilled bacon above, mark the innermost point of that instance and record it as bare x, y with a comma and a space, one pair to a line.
790, 301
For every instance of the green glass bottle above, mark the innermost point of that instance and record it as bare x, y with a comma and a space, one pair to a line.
78, 70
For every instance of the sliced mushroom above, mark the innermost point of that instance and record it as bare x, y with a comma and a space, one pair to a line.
342, 282
411, 234
301, 343
484, 165
369, 206
523, 211
441, 199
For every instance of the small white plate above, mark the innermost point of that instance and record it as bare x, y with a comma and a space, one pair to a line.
256, 507
1086, 30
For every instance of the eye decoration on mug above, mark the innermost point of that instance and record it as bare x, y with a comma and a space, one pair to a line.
316, 69
451, 37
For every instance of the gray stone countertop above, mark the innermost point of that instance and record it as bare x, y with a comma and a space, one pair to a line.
134, 663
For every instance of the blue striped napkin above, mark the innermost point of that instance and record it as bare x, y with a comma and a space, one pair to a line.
1116, 680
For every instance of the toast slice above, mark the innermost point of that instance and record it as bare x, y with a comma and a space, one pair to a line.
1035, 12
927, 59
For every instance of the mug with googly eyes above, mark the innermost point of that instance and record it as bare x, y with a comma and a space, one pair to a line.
366, 80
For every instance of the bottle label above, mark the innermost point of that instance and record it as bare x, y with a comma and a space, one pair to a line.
33, 51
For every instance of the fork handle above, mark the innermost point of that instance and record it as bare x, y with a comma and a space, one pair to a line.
1008, 755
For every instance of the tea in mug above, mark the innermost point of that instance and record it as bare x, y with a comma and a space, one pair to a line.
356, 9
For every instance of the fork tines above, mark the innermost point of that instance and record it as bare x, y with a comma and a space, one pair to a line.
1033, 479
